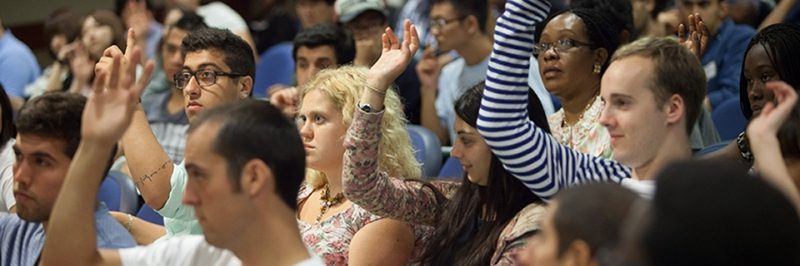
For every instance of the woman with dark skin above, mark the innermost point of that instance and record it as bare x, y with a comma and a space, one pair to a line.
773, 54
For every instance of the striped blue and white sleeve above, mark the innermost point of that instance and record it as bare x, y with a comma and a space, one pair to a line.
533, 156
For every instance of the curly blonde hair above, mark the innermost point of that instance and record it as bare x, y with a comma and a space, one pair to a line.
344, 86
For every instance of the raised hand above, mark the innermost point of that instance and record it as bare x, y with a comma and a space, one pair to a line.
395, 57
114, 97
772, 117
286, 100
697, 41
428, 69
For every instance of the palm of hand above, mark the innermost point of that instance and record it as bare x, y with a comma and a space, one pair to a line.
108, 113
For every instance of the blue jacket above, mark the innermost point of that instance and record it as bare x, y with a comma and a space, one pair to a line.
723, 60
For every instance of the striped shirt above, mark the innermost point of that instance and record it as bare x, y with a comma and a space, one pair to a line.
533, 156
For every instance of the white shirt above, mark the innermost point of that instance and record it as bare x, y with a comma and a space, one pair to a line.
7, 158
220, 15
189, 250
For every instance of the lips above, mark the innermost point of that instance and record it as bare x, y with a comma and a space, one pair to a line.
21, 196
194, 106
551, 72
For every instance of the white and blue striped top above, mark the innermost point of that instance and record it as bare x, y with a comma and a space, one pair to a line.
533, 156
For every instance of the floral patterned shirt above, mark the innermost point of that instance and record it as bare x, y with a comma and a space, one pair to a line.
330, 238
411, 201
587, 135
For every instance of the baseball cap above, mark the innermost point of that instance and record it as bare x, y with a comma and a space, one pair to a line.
350, 9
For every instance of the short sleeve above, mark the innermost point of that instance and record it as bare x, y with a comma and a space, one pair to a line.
179, 218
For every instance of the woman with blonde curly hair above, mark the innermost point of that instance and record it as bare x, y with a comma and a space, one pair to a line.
337, 230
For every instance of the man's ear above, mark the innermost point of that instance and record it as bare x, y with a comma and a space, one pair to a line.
256, 177
245, 86
473, 26
675, 109
578, 253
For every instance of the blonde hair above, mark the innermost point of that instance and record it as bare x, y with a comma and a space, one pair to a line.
344, 86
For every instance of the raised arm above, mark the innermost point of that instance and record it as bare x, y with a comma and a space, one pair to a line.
71, 237
150, 166
526, 151
763, 135
362, 182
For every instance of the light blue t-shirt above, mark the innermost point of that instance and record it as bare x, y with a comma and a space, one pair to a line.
179, 219
18, 66
21, 242
455, 79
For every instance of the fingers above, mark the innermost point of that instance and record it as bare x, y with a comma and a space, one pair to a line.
385, 42
129, 67
98, 85
783, 92
144, 80
692, 23
130, 42
113, 80
395, 43
414, 39
681, 30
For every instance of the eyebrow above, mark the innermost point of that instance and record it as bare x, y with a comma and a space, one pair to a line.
202, 66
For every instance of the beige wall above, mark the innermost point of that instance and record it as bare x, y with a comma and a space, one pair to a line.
22, 12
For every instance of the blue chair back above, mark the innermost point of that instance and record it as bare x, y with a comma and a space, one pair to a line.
427, 149
150, 215
276, 66
451, 170
119, 193
711, 148
728, 119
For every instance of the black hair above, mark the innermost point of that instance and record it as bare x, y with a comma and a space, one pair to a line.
476, 8
601, 31
594, 213
8, 131
54, 115
713, 213
190, 21
238, 54
256, 130
618, 12
62, 21
782, 44
473, 219
327, 34
119, 5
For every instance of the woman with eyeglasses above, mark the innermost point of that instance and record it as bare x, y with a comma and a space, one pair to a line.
573, 53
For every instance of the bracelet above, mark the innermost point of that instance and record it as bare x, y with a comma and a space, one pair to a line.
130, 222
381, 93
744, 147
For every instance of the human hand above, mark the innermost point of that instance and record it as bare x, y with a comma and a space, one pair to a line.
286, 100
80, 64
772, 117
428, 70
697, 41
136, 16
114, 97
395, 57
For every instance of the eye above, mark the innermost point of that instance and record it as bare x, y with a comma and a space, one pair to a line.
620, 103
318, 119
465, 141
302, 65
565, 44
207, 75
765, 77
300, 120
41, 162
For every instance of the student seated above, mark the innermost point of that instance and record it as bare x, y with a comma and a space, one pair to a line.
49, 131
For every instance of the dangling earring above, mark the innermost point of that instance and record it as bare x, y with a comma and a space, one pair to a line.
596, 69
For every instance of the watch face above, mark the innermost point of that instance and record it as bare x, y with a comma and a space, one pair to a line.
366, 108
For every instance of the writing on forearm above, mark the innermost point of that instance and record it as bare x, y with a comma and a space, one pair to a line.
148, 177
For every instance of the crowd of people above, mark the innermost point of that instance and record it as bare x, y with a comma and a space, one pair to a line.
584, 130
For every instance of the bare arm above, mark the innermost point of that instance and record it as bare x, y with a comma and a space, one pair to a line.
778, 14
142, 231
150, 166
383, 242
71, 236
428, 70
762, 133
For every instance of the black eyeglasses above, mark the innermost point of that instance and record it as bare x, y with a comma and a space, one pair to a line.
441, 22
204, 77
558, 46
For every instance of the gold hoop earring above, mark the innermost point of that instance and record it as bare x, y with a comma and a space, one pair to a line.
596, 69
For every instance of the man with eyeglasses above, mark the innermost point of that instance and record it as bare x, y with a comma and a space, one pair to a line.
218, 68
367, 20
458, 26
